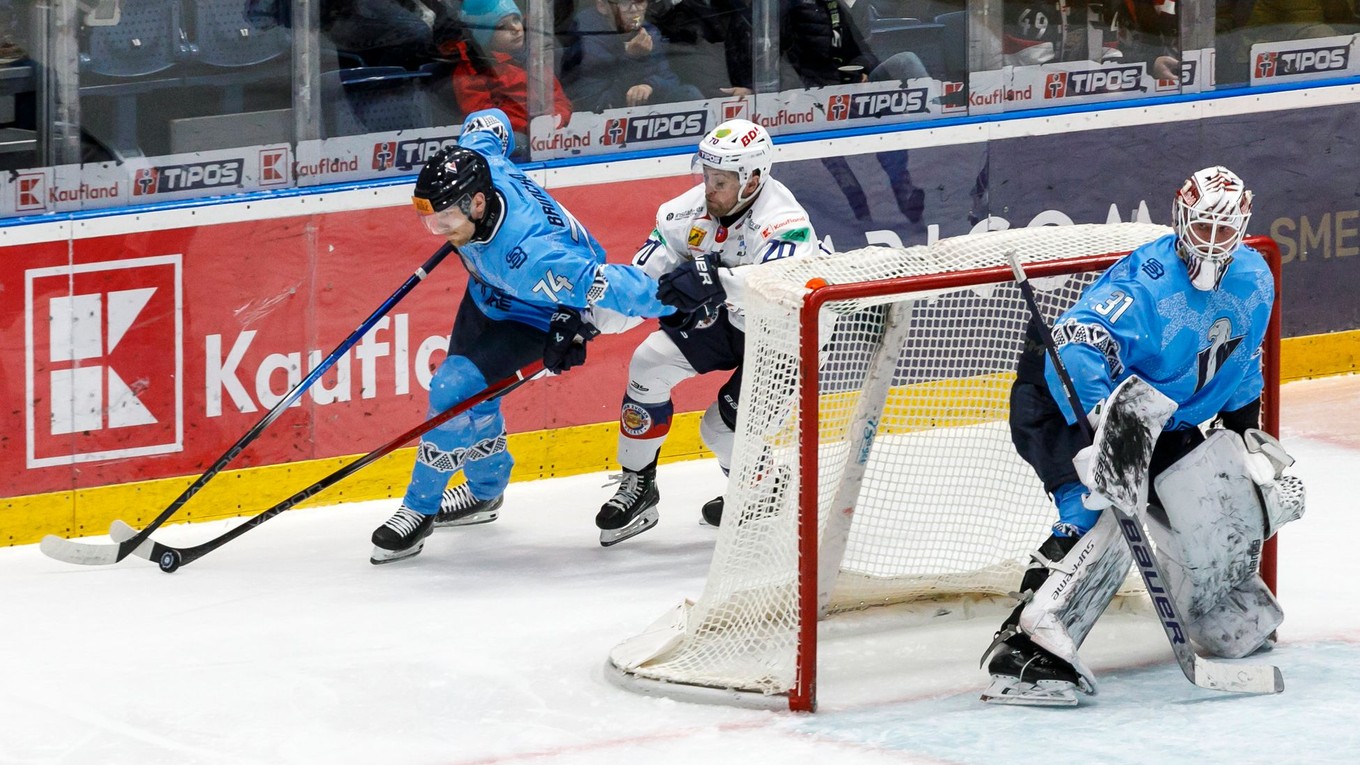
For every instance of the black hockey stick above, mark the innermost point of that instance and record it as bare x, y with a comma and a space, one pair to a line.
171, 558
100, 554
1219, 676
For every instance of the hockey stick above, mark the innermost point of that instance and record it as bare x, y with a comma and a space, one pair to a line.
88, 554
171, 558
1219, 676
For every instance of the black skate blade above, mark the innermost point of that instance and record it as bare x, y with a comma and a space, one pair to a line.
471, 519
381, 556
1010, 690
647, 519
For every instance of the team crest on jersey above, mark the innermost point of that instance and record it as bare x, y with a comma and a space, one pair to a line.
634, 420
696, 236
1221, 346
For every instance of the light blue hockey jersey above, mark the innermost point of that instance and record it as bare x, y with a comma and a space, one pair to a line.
1142, 316
539, 256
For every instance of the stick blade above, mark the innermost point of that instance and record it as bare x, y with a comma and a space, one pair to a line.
1239, 678
79, 553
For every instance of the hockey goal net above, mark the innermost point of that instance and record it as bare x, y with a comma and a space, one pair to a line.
873, 463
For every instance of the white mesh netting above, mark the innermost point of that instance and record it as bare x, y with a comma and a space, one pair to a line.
944, 507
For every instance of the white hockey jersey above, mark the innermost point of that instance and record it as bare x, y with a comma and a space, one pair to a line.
775, 226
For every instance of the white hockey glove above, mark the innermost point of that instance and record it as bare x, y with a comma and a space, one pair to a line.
1084, 463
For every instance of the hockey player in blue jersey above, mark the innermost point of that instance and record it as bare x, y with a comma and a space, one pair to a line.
537, 278
1186, 313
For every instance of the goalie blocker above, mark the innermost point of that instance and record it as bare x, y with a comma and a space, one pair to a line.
1211, 512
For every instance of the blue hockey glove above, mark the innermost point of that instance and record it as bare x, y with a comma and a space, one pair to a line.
568, 334
688, 322
692, 284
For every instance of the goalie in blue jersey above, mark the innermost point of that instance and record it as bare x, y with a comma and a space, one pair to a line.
1186, 313
537, 281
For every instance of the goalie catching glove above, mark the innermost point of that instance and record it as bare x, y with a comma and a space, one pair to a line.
568, 334
692, 284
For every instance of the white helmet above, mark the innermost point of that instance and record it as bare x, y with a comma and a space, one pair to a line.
738, 146
1210, 216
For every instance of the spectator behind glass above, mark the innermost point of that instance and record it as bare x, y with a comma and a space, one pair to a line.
489, 70
623, 60
694, 32
387, 32
819, 42
1149, 32
1047, 31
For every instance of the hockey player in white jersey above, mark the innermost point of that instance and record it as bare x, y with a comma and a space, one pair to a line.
1186, 313
703, 243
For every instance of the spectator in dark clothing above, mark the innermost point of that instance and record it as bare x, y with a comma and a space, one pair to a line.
819, 46
623, 60
694, 32
490, 73
388, 32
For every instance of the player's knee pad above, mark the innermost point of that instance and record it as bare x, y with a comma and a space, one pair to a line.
656, 367
642, 421
1075, 591
1216, 515
455, 381
717, 435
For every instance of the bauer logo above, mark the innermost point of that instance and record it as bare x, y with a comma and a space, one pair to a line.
1090, 82
104, 363
1333, 58
30, 192
274, 166
163, 179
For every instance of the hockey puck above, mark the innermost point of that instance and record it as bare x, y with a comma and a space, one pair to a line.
169, 561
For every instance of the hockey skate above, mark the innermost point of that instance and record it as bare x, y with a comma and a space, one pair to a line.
459, 507
712, 511
632, 509
1024, 674
403, 536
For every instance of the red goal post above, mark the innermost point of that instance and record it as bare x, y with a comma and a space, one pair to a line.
889, 420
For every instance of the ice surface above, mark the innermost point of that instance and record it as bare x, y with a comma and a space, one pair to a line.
287, 646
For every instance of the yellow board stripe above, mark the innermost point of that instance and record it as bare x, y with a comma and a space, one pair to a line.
539, 454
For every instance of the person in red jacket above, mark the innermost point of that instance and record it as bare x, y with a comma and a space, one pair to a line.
489, 72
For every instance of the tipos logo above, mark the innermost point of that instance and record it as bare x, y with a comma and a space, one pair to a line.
1333, 58
104, 364
1116, 79
161, 179
654, 127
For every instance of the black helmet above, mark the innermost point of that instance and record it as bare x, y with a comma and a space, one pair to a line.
451, 177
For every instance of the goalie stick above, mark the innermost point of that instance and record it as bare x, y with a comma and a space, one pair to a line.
88, 554
1213, 675
171, 558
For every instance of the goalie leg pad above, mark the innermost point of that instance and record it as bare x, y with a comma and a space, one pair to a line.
1241, 623
1061, 613
1209, 538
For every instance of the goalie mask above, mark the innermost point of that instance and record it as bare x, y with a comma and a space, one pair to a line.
1210, 215
741, 147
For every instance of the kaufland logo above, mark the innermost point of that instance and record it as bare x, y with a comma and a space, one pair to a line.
736, 109
654, 127
274, 166
30, 192
161, 179
104, 360
1332, 58
877, 104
